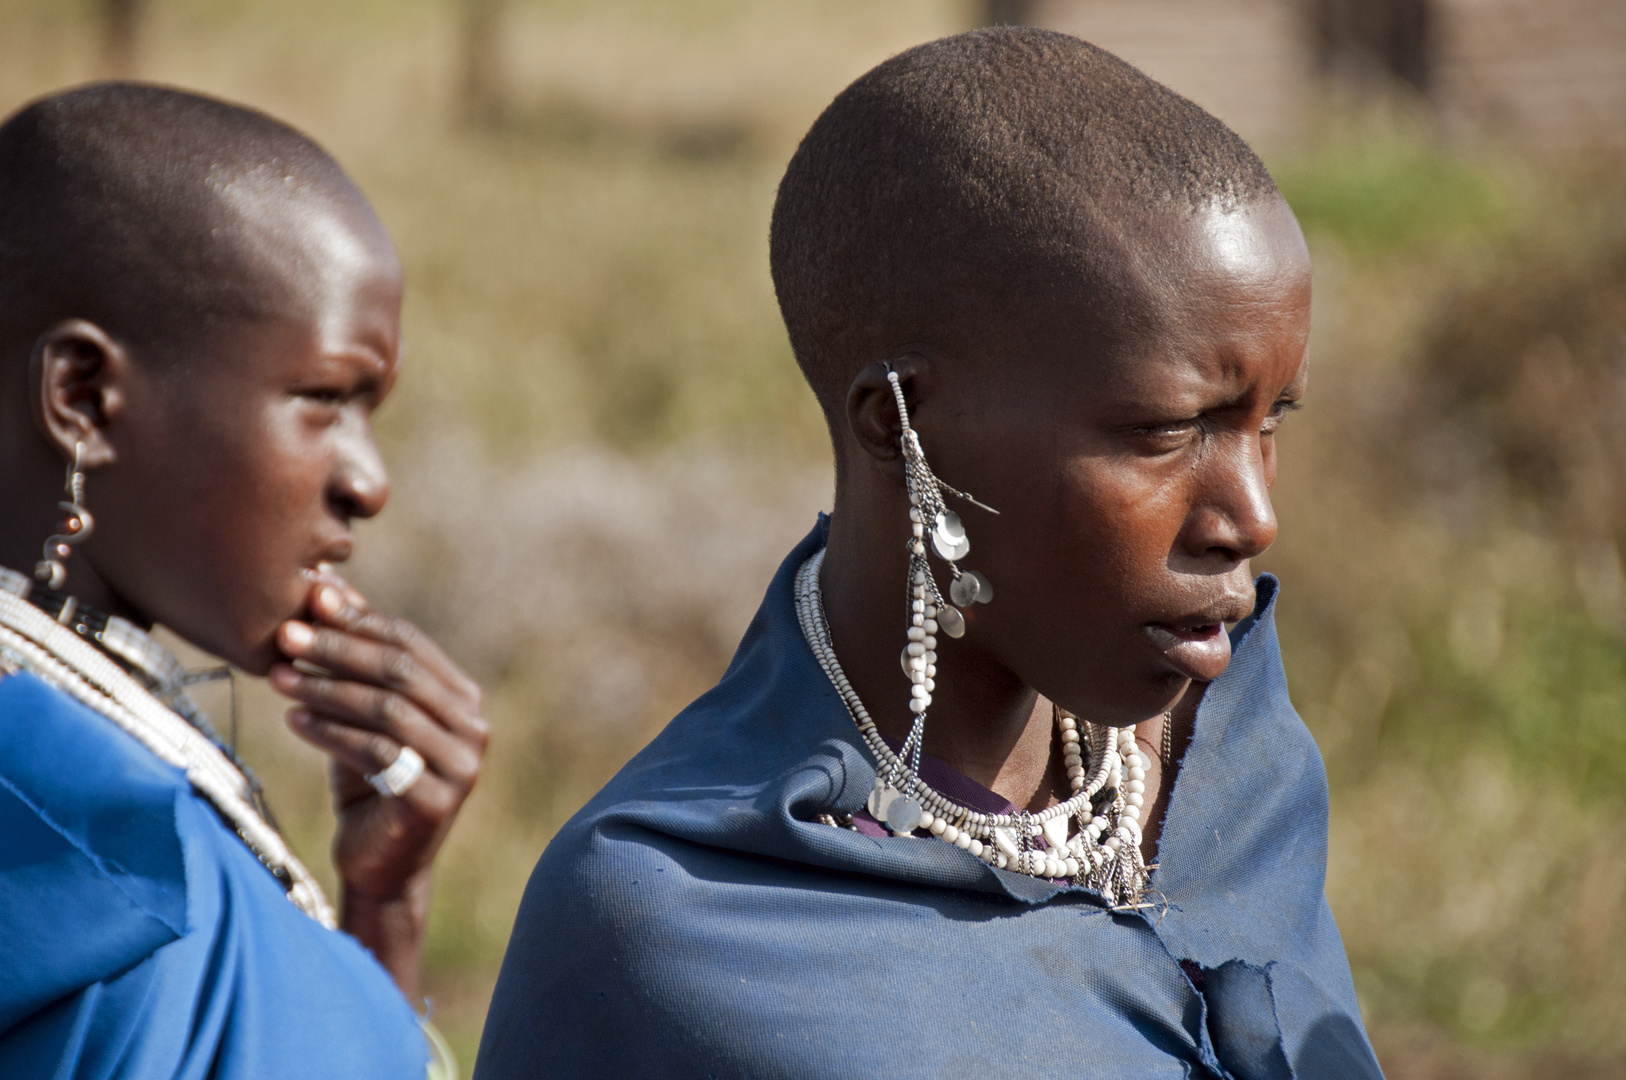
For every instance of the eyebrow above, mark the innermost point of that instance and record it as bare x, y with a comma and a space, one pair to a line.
365, 355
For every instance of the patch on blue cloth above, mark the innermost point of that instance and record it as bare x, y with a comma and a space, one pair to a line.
1242, 1021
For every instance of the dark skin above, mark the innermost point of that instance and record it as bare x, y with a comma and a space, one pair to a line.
1133, 489
224, 483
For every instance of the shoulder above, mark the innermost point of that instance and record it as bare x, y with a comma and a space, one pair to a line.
104, 793
94, 877
116, 874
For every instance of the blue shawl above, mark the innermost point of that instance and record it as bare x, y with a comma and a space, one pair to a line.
141, 939
694, 921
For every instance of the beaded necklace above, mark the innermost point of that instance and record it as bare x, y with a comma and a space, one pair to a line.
62, 656
1105, 770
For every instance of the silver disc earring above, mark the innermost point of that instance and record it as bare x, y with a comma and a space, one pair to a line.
930, 521
933, 521
76, 527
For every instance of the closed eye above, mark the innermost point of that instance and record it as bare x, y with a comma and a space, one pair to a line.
1171, 427
365, 389
1167, 436
1278, 413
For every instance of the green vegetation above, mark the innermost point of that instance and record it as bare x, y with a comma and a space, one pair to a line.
1389, 193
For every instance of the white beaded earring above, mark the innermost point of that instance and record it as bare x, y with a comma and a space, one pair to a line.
928, 613
928, 511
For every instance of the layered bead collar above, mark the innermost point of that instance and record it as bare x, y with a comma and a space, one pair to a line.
136, 651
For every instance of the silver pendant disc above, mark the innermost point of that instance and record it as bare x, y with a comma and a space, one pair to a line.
880, 800
965, 588
951, 549
951, 622
903, 815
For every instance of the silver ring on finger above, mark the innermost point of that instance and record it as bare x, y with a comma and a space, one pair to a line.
402, 773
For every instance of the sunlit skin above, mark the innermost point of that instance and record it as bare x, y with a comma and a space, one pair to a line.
224, 485
1132, 490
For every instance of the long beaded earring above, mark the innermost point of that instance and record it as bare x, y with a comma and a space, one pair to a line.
928, 511
928, 612
76, 527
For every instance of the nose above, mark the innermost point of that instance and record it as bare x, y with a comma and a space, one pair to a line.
361, 484
1232, 516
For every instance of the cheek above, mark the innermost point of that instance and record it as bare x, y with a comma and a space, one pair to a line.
1085, 562
258, 493
1113, 526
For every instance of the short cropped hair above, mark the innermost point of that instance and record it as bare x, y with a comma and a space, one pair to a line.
984, 171
113, 208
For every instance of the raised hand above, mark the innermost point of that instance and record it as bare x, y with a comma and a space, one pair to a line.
383, 686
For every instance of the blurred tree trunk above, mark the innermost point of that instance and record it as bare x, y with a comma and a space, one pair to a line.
1008, 12
121, 35
1372, 40
481, 93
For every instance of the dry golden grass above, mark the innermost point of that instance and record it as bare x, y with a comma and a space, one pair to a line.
602, 448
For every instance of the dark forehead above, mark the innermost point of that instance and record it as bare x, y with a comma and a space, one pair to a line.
1210, 295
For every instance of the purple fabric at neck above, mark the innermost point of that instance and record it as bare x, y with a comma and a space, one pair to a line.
952, 784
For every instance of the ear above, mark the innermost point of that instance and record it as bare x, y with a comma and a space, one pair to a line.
872, 408
77, 376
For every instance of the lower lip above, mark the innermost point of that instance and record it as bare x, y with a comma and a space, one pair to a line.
1200, 653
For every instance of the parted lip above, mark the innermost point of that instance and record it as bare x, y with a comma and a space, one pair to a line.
1194, 642
1227, 609
1186, 633
320, 566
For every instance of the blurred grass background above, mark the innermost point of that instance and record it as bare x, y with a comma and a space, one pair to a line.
602, 448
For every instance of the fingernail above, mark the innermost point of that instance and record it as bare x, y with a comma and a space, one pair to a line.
328, 598
298, 717
298, 634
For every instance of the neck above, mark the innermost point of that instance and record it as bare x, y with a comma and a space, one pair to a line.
984, 721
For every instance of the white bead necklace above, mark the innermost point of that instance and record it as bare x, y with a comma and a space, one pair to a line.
1104, 765
33, 641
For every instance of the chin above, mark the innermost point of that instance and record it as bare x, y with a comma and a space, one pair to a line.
245, 640
253, 654
256, 660
1127, 701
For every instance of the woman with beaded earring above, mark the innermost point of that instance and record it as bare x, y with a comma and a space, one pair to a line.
199, 314
1006, 785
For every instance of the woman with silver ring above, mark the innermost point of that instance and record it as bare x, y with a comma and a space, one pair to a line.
199, 314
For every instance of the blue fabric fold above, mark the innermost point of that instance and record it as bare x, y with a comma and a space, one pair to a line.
694, 920
139, 937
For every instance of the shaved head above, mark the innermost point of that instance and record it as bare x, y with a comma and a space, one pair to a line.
985, 175
162, 216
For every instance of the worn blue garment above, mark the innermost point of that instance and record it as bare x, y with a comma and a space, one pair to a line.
693, 921
140, 938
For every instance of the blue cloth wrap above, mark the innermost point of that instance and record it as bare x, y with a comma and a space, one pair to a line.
140, 938
693, 921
